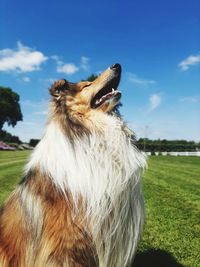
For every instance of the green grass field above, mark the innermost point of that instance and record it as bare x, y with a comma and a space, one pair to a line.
172, 195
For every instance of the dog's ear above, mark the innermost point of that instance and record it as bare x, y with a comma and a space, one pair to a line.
58, 88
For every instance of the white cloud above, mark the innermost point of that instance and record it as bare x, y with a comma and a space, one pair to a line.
71, 68
47, 82
68, 68
26, 79
51, 80
21, 59
43, 112
189, 61
56, 58
191, 99
154, 102
132, 77
84, 63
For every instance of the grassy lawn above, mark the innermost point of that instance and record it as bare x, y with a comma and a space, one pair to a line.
172, 195
11, 166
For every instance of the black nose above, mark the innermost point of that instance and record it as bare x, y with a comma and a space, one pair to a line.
116, 66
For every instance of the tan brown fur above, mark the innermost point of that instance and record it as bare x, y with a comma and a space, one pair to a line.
64, 239
13, 234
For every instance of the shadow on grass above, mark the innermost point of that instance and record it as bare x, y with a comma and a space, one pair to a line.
155, 258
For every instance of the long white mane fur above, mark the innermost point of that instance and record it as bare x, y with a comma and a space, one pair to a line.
105, 169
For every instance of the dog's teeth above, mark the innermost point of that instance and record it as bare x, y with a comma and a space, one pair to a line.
113, 90
98, 101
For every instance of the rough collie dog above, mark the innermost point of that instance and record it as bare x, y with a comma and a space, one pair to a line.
79, 203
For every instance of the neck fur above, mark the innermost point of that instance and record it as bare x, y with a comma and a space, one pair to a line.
103, 168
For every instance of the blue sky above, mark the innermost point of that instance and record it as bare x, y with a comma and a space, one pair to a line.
156, 42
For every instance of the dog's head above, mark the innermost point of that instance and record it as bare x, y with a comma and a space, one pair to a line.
79, 99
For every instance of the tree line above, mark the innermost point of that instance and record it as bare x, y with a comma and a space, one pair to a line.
164, 145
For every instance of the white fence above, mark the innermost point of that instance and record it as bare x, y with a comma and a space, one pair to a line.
196, 154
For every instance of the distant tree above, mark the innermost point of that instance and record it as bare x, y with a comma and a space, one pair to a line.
33, 142
167, 145
9, 138
91, 78
10, 110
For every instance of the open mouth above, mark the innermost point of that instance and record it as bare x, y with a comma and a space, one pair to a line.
107, 93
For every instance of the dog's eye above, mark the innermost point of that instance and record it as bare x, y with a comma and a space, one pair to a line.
86, 85
59, 90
